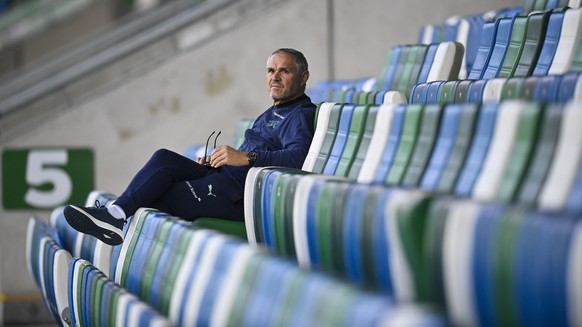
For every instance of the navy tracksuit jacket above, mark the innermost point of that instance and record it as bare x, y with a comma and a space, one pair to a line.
172, 183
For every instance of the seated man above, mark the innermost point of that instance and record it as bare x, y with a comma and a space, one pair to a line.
214, 186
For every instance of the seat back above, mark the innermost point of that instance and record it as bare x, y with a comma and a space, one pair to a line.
550, 44
354, 138
564, 166
428, 132
499, 151
478, 149
390, 148
514, 47
364, 145
321, 127
447, 133
534, 40
341, 138
328, 140
521, 152
544, 152
569, 39
389, 69
377, 143
447, 62
485, 49
406, 145
458, 153
499, 49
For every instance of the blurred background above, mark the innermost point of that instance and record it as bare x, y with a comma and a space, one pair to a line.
89, 89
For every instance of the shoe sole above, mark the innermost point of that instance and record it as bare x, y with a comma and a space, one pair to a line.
85, 223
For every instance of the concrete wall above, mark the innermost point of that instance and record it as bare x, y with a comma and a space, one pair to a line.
179, 103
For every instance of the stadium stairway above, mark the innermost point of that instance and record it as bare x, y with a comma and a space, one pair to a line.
461, 207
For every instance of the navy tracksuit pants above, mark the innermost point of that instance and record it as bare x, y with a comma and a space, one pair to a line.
181, 187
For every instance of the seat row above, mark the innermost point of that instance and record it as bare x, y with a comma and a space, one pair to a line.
551, 88
485, 264
406, 66
170, 272
513, 151
535, 44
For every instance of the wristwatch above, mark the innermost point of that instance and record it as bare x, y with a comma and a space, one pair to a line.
252, 157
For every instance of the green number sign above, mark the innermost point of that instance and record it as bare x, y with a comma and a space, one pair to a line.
44, 178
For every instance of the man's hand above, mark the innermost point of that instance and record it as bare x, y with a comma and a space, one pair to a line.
226, 155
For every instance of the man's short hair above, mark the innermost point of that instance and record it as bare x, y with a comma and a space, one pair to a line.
300, 60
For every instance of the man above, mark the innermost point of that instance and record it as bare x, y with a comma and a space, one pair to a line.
189, 189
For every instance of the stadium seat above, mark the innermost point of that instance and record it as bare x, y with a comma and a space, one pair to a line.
550, 43
534, 40
462, 141
390, 148
502, 142
317, 164
362, 149
485, 49
558, 183
521, 152
567, 45
544, 152
478, 149
341, 138
356, 132
496, 59
377, 143
427, 135
514, 47
410, 130
443, 147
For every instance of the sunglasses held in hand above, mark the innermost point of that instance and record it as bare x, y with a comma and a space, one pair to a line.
206, 156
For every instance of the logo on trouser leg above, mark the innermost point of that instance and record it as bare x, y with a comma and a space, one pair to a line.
193, 192
210, 191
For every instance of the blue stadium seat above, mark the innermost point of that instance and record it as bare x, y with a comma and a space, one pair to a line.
550, 44
443, 147
485, 49
501, 44
478, 150
340, 139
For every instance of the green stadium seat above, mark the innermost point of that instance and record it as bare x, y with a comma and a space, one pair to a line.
534, 41
364, 145
544, 152
341, 138
354, 138
406, 144
427, 135
512, 88
515, 47
448, 92
521, 153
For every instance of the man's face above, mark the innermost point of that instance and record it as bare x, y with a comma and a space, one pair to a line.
283, 81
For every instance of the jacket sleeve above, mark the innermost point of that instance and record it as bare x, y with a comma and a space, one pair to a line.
295, 133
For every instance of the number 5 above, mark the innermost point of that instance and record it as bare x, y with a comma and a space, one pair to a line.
38, 173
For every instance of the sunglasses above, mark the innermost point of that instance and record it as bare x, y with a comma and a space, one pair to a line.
206, 157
